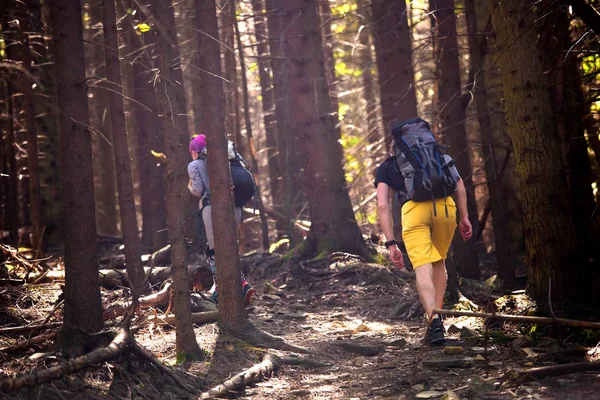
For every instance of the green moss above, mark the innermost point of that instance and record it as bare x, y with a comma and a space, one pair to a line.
185, 357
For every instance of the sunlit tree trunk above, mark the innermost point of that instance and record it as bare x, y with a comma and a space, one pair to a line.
131, 239
83, 307
176, 141
394, 62
251, 148
231, 308
452, 124
333, 225
550, 234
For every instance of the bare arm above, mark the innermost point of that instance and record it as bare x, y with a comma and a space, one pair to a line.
466, 230
383, 210
461, 199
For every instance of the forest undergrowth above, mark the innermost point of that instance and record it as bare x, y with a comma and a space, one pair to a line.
361, 323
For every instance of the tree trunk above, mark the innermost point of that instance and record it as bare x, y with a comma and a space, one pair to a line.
12, 205
131, 238
35, 205
251, 148
290, 157
452, 124
505, 256
268, 103
83, 307
569, 108
328, 56
550, 235
509, 184
333, 225
231, 308
374, 132
105, 178
176, 141
394, 62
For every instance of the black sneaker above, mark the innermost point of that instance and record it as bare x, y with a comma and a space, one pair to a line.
436, 332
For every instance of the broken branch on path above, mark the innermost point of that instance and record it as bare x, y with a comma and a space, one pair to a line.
29, 328
197, 318
557, 370
521, 318
23, 344
268, 366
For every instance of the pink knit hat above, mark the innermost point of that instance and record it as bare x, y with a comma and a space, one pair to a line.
198, 144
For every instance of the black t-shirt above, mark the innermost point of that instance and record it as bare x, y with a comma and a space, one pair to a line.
389, 173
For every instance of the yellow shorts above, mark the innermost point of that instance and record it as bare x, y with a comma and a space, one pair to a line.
428, 237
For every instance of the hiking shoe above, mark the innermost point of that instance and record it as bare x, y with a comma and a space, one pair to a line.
436, 332
247, 292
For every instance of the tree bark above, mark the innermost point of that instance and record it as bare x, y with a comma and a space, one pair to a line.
251, 148
105, 179
328, 56
83, 308
374, 132
333, 225
505, 256
35, 205
294, 199
570, 108
392, 41
452, 124
231, 308
176, 140
12, 206
131, 238
268, 104
549, 229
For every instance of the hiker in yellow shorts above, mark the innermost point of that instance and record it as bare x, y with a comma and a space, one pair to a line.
424, 177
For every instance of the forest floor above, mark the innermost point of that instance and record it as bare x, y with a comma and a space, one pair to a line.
351, 316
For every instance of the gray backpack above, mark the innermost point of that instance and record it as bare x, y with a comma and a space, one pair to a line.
423, 162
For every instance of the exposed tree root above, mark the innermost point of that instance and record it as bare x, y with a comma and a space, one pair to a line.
147, 355
526, 319
260, 338
268, 366
407, 309
113, 350
23, 344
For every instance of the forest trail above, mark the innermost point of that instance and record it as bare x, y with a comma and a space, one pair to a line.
348, 315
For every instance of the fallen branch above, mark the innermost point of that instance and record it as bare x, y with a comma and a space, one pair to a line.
29, 328
23, 344
557, 370
520, 318
269, 365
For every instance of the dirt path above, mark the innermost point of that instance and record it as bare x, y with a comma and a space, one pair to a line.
346, 316
344, 322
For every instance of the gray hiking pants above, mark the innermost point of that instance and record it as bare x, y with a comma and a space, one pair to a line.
208, 227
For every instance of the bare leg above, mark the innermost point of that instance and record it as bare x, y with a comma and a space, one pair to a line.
439, 281
426, 288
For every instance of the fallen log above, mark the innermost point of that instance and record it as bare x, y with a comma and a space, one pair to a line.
522, 318
197, 318
558, 370
23, 344
252, 375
